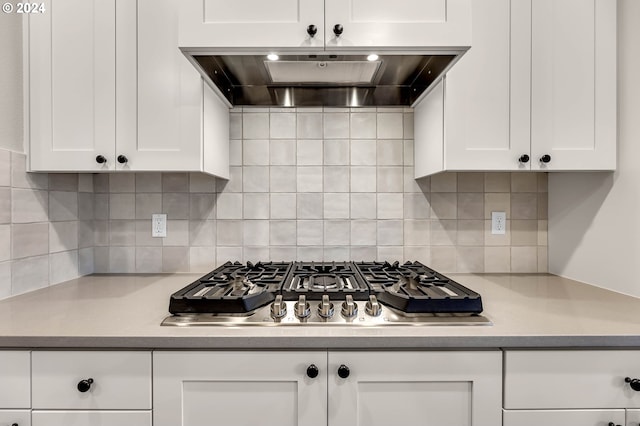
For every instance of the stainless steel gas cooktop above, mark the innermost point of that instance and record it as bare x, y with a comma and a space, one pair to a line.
324, 293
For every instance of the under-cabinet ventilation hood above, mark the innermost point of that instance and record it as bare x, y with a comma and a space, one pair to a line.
338, 80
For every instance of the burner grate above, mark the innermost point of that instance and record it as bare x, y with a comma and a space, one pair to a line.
313, 279
414, 288
232, 288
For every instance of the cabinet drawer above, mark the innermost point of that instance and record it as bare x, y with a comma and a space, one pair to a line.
15, 376
563, 417
11, 417
121, 380
570, 379
84, 418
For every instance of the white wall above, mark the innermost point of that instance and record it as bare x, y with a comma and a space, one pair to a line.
11, 130
594, 218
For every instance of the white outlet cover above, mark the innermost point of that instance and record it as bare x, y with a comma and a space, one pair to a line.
159, 225
498, 223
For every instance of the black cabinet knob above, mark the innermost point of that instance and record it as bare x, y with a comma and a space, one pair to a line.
312, 371
337, 30
612, 424
633, 383
85, 385
14, 424
545, 158
100, 159
122, 159
524, 158
343, 371
312, 30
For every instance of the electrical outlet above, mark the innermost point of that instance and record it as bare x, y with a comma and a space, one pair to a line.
159, 225
498, 223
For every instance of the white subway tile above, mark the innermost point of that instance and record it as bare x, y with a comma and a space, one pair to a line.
309, 179
363, 125
336, 179
309, 206
229, 232
29, 239
282, 233
336, 206
148, 260
175, 259
63, 236
390, 179
282, 152
29, 274
363, 232
363, 206
283, 179
336, 125
309, 125
256, 152
255, 179
63, 266
336, 152
255, 206
255, 125
363, 152
148, 182
309, 152
390, 125
255, 233
390, 152
390, 206
363, 179
283, 125
175, 205
390, 233
283, 206
337, 232
309, 233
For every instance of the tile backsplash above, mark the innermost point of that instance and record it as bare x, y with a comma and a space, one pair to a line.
320, 184
46, 229
306, 184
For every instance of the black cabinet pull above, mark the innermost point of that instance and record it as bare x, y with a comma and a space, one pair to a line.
524, 158
343, 371
85, 385
337, 30
312, 30
545, 158
633, 383
612, 424
122, 159
312, 371
100, 159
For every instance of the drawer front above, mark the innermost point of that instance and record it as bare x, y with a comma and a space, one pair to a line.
85, 418
570, 379
563, 418
15, 376
121, 380
12, 417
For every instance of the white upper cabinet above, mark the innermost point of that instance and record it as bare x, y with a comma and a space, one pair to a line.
246, 24
573, 84
251, 23
72, 82
110, 90
524, 96
407, 23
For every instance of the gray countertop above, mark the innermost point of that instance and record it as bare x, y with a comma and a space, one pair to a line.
125, 311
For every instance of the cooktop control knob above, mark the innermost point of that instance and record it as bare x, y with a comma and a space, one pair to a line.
373, 307
302, 309
325, 308
278, 308
349, 307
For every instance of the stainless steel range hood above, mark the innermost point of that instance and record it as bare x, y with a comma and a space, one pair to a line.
306, 80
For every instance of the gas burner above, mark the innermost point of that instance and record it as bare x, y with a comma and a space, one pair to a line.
313, 279
233, 288
316, 293
415, 288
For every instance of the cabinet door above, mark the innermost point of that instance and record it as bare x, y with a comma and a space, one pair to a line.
410, 23
17, 417
429, 133
563, 417
84, 418
251, 23
633, 417
573, 84
71, 54
159, 91
487, 103
405, 388
15, 376
120, 380
239, 388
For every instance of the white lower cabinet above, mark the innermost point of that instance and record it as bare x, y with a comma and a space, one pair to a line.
239, 388
15, 417
564, 417
91, 418
571, 387
91, 380
15, 380
350, 388
405, 388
